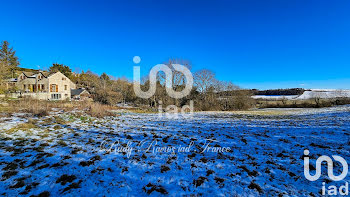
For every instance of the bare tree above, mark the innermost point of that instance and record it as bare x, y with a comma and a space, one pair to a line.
178, 78
225, 86
178, 81
204, 79
284, 100
124, 88
317, 98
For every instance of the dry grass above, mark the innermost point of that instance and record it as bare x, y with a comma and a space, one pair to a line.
142, 110
40, 108
310, 103
35, 107
99, 110
24, 127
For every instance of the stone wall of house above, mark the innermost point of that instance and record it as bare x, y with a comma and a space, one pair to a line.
37, 95
31, 81
64, 85
27, 82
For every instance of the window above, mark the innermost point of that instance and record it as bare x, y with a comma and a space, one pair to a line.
53, 88
63, 78
31, 87
24, 86
65, 87
55, 96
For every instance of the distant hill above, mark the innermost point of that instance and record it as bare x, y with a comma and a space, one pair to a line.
26, 69
290, 91
19, 70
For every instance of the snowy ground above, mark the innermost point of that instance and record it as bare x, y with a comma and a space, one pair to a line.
276, 97
315, 93
61, 154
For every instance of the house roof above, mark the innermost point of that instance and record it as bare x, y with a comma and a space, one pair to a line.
28, 74
46, 74
33, 75
12, 80
75, 92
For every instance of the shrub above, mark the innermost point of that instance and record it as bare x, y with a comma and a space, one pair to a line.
99, 110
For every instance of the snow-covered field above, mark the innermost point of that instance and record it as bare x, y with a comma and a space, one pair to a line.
315, 93
324, 94
275, 97
67, 153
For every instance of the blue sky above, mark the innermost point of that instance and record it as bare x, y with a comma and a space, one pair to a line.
255, 44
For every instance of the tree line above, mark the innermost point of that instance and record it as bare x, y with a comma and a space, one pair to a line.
290, 91
208, 93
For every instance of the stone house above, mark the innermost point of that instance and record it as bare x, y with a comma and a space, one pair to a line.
45, 86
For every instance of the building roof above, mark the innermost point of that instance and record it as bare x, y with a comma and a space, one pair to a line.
46, 74
33, 75
12, 80
28, 74
75, 92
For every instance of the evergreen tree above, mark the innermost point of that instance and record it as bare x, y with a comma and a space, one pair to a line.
104, 77
8, 59
62, 68
8, 55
